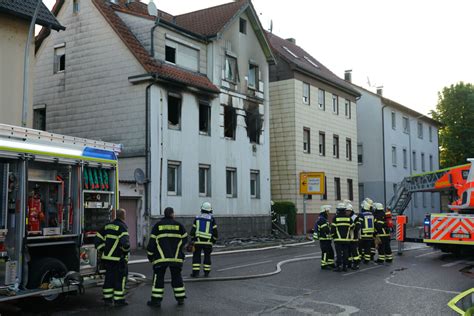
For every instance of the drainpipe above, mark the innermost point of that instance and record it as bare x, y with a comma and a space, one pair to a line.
383, 157
147, 157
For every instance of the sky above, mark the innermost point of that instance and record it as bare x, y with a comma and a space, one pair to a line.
411, 48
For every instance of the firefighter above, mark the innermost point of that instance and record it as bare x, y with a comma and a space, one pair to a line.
373, 249
322, 232
366, 223
341, 229
204, 235
354, 254
165, 250
382, 232
113, 243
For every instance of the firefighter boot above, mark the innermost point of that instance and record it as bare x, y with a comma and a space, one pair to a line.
154, 303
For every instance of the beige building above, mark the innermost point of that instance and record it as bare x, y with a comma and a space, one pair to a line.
15, 19
313, 127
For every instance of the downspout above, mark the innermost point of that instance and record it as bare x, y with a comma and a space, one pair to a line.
147, 159
383, 157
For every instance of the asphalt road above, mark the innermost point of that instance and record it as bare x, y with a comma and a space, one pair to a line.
421, 282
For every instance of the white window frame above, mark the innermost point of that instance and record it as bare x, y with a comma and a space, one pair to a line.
255, 180
347, 109
228, 66
255, 70
394, 120
348, 149
394, 156
306, 140
423, 165
420, 130
406, 125
57, 58
405, 158
176, 165
75, 6
335, 104
322, 99
430, 132
322, 144
335, 146
414, 159
207, 180
306, 98
233, 182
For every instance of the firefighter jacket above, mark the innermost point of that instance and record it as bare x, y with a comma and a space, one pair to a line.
367, 224
204, 231
381, 229
322, 229
167, 240
341, 228
113, 241
355, 231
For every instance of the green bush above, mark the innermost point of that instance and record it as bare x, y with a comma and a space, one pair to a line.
289, 209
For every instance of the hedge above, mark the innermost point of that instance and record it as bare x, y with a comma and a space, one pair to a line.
289, 209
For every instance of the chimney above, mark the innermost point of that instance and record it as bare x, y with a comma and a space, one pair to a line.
348, 75
380, 90
291, 40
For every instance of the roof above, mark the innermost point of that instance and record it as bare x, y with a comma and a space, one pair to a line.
159, 69
394, 104
25, 9
303, 61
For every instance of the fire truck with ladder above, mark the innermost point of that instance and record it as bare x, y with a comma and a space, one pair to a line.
453, 230
55, 193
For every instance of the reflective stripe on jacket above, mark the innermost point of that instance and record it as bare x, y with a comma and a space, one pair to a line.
167, 240
204, 231
114, 241
342, 226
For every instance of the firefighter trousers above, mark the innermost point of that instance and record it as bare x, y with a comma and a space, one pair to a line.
385, 251
207, 249
115, 278
342, 253
158, 285
354, 256
327, 253
365, 245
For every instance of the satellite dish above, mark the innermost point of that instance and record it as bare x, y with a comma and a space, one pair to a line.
152, 10
139, 176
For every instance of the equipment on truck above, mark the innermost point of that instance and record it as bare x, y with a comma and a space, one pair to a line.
451, 231
55, 193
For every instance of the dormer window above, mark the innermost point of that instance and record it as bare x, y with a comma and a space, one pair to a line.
181, 53
170, 54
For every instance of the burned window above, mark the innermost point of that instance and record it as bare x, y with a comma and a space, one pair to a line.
254, 122
231, 69
230, 122
59, 58
204, 118
170, 54
174, 111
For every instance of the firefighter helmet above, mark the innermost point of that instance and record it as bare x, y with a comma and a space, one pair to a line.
325, 208
206, 207
378, 206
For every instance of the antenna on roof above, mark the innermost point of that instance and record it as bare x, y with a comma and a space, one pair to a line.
271, 26
152, 10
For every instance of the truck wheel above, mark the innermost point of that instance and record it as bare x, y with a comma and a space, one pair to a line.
43, 271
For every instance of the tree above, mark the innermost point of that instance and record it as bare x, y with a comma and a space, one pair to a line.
455, 112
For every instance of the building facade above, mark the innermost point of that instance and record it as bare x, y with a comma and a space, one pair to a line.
395, 142
312, 129
186, 95
15, 21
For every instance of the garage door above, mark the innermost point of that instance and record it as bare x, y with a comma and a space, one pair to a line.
130, 205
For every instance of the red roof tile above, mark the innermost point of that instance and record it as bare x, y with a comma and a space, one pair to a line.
162, 70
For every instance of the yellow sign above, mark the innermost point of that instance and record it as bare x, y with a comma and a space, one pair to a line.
312, 183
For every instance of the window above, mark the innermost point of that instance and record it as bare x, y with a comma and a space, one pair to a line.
324, 196
306, 140
322, 143
253, 121
75, 6
394, 122
350, 191
420, 130
423, 162
335, 146
430, 133
174, 111
170, 54
349, 150
255, 184
405, 158
231, 182
306, 93
394, 188
431, 162
59, 58
230, 122
347, 109
253, 76
39, 117
204, 118
414, 160
335, 104
361, 192
204, 180
337, 189
406, 126
230, 69
360, 154
174, 178
394, 156
322, 99
423, 198
243, 26
290, 52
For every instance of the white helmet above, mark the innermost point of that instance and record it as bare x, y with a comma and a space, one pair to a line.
349, 207
369, 201
325, 208
341, 206
365, 205
206, 207
378, 206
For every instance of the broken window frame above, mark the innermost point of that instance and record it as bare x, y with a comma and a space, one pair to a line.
205, 107
59, 64
232, 124
230, 64
253, 121
253, 69
171, 125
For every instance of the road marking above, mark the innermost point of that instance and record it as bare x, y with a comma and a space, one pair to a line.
308, 254
427, 254
387, 280
452, 264
244, 265
362, 270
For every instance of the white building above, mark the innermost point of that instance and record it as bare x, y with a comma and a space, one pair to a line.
190, 105
394, 142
